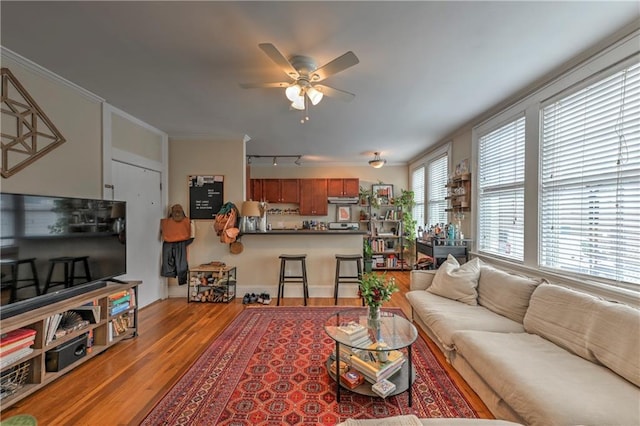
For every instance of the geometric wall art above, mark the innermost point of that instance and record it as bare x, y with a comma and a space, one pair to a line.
26, 133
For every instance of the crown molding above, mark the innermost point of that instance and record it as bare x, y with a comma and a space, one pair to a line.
49, 75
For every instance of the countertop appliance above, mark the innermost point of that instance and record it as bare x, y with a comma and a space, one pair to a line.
344, 226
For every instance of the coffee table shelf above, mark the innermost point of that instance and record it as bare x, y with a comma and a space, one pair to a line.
394, 330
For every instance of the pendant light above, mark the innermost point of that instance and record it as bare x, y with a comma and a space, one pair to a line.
377, 162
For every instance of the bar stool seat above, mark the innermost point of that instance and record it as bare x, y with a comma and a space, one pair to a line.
15, 279
70, 273
345, 278
284, 278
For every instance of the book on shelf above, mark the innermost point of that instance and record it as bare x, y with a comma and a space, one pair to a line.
8, 359
19, 334
118, 295
16, 339
118, 309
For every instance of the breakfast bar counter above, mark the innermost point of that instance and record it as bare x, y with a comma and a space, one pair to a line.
261, 263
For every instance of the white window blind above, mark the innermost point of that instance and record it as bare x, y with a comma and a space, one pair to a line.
590, 177
501, 191
438, 172
417, 186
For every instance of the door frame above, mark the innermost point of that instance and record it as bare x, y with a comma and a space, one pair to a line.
109, 154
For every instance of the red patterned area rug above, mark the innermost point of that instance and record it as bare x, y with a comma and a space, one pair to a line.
268, 368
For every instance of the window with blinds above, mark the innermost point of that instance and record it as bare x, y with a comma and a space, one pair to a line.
417, 186
590, 180
501, 191
437, 192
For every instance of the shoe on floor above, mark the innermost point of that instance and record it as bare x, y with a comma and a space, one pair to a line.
246, 299
253, 298
260, 297
266, 299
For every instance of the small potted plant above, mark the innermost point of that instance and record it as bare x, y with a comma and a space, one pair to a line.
376, 289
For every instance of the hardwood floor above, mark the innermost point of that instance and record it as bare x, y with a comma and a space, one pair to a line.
121, 385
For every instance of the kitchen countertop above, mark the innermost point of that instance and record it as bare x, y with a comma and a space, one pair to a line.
307, 232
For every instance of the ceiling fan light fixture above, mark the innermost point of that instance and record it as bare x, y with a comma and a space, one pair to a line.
377, 162
315, 96
294, 92
298, 103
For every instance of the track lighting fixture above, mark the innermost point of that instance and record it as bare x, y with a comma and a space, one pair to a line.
275, 159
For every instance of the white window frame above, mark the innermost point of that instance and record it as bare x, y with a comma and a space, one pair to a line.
506, 235
430, 199
584, 257
625, 48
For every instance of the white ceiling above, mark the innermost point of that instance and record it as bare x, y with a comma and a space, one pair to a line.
426, 68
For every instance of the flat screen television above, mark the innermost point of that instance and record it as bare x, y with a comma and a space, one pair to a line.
35, 229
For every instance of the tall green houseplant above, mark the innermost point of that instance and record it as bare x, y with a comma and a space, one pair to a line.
406, 201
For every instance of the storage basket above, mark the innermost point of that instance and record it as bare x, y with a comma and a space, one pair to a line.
13, 379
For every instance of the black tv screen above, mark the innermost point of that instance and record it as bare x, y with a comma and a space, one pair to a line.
37, 231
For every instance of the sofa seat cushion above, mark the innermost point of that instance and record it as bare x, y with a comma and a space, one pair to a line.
444, 317
547, 385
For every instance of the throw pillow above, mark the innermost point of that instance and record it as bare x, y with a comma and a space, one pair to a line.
457, 282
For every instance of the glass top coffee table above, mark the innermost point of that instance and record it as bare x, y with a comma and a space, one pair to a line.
385, 337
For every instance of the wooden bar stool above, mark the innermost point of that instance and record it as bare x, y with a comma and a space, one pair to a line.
284, 278
69, 270
16, 279
357, 258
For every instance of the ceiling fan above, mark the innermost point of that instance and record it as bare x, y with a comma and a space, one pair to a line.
304, 77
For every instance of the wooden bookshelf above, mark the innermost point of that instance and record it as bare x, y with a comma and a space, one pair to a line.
100, 333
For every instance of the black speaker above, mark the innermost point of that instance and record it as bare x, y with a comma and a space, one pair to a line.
66, 354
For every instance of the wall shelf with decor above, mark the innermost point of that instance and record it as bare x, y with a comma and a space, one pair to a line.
459, 193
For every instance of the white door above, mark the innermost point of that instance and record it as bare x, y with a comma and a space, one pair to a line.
140, 188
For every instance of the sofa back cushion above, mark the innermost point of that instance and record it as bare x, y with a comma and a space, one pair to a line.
504, 293
600, 331
615, 339
562, 316
457, 282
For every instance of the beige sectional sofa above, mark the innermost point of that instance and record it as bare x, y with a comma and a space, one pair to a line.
536, 353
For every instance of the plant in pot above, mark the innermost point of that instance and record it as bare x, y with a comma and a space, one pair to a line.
367, 254
376, 289
406, 202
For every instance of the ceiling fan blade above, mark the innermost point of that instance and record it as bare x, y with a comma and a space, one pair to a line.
341, 63
277, 57
334, 93
263, 85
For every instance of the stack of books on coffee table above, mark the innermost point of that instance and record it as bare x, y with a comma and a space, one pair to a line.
375, 370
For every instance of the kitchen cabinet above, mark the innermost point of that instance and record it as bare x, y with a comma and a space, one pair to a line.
278, 190
313, 197
347, 187
256, 190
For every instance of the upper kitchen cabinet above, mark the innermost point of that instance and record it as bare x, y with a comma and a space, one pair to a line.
348, 187
313, 197
256, 190
278, 190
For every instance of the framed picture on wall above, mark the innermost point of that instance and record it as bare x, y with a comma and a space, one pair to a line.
343, 213
383, 192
